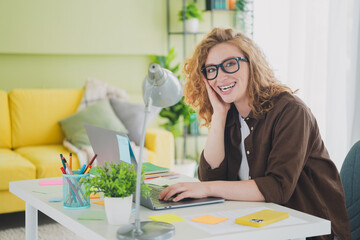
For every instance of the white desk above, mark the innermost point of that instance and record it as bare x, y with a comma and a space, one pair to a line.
98, 230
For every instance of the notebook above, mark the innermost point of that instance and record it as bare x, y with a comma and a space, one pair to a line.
106, 145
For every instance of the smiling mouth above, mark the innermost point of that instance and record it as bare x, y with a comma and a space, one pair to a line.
227, 88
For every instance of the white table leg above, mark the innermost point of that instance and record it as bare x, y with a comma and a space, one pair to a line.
31, 222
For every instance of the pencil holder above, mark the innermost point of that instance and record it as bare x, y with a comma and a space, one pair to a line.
74, 191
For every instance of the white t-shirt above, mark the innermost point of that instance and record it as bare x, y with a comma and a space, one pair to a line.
244, 167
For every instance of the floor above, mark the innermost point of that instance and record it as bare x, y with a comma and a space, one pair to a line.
17, 219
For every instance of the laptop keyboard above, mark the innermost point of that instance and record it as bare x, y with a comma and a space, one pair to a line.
154, 194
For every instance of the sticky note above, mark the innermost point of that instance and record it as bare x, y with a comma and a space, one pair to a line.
55, 199
47, 189
209, 219
50, 182
168, 218
94, 195
92, 215
124, 152
100, 202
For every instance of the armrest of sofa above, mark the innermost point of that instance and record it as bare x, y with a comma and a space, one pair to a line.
162, 143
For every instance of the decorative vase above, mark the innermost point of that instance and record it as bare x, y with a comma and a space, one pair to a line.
231, 4
192, 25
118, 210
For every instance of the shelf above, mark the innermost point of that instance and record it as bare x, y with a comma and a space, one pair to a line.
241, 24
220, 10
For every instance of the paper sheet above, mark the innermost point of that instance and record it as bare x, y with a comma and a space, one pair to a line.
92, 215
230, 225
124, 152
48, 189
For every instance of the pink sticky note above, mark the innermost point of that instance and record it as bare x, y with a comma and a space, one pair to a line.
51, 182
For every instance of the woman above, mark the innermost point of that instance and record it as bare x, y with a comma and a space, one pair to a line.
263, 143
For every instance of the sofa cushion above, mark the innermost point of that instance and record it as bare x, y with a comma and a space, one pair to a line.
132, 115
46, 158
5, 128
35, 114
99, 114
10, 203
14, 167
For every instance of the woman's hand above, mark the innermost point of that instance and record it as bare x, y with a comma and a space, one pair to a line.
184, 190
219, 106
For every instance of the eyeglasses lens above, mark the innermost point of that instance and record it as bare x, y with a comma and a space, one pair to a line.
231, 65
228, 66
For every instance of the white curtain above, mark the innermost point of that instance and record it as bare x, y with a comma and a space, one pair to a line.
313, 46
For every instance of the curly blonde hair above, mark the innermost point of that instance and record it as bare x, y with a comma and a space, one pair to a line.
262, 86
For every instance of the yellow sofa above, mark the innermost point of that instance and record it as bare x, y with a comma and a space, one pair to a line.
31, 138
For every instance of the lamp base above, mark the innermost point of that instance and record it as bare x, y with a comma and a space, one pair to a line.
150, 230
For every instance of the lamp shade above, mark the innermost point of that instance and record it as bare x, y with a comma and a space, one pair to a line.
162, 86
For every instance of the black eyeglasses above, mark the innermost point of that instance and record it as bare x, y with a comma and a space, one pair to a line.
230, 65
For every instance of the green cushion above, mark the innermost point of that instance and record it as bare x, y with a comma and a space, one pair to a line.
99, 114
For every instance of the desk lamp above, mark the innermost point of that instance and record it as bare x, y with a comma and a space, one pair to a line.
161, 89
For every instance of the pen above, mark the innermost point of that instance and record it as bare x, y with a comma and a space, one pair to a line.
67, 166
62, 170
88, 170
91, 162
74, 191
70, 161
82, 169
61, 157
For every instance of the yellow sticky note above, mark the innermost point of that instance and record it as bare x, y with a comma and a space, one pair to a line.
209, 219
168, 218
100, 202
94, 196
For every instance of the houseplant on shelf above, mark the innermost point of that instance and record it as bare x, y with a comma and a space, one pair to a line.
243, 15
180, 116
191, 16
118, 183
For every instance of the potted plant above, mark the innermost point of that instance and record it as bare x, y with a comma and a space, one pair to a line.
118, 184
191, 16
242, 16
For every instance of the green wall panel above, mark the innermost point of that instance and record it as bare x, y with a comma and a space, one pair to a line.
61, 43
71, 71
83, 26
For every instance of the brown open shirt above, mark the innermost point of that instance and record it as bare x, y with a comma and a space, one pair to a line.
288, 161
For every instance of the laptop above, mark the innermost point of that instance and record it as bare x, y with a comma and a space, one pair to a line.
109, 146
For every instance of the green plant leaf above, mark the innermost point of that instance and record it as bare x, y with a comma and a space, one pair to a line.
114, 180
181, 110
191, 11
240, 5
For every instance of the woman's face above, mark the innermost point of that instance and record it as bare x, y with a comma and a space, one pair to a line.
231, 87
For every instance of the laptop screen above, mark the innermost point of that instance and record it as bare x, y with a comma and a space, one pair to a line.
110, 145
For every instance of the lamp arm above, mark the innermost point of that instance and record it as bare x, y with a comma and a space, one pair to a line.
139, 168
